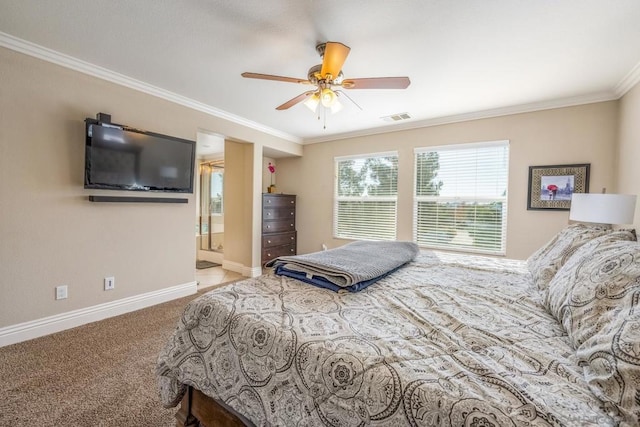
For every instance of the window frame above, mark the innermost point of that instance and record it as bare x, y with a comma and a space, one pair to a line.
337, 198
477, 199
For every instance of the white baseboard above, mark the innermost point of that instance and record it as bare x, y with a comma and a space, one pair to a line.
217, 257
59, 322
252, 271
242, 269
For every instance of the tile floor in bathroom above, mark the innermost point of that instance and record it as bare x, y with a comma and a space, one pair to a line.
209, 277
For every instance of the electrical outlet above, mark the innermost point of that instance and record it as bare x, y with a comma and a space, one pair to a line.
109, 283
61, 292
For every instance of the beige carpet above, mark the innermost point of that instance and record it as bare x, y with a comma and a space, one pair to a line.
100, 374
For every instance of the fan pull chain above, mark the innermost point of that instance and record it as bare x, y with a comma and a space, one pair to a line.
324, 125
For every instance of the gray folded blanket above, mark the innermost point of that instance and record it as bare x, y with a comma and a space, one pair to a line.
346, 267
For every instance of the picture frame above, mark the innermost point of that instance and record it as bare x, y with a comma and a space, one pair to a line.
551, 187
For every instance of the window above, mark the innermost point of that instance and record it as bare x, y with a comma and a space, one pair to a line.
366, 195
211, 196
460, 199
215, 197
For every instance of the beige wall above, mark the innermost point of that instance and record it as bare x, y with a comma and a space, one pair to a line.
50, 234
238, 205
629, 147
582, 134
243, 189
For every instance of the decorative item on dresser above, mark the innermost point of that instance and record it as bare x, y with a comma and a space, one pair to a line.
278, 225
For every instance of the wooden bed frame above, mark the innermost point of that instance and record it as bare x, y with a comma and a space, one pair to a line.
199, 410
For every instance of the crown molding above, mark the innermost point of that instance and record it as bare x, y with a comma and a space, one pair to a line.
19, 45
630, 80
476, 115
58, 58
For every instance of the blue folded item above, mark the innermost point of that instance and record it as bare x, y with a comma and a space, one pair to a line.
321, 282
352, 267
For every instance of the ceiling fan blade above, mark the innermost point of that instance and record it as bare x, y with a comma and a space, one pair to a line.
333, 59
377, 83
276, 78
290, 103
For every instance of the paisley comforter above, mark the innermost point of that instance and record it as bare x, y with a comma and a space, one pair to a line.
446, 340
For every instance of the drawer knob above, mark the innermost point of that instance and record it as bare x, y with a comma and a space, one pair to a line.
292, 225
268, 226
268, 201
268, 213
291, 250
291, 237
291, 213
268, 241
292, 202
268, 254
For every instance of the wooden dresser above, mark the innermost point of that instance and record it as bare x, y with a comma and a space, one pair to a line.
278, 225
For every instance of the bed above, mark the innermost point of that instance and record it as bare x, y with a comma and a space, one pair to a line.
446, 339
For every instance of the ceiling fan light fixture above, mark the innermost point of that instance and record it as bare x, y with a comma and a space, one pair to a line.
336, 107
324, 77
312, 102
328, 97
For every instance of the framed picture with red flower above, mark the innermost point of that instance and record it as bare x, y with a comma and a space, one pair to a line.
551, 187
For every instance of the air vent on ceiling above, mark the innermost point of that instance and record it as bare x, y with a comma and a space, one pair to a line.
396, 117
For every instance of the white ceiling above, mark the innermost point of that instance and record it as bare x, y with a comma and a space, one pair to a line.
209, 145
465, 58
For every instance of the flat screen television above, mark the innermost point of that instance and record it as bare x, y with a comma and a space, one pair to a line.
122, 158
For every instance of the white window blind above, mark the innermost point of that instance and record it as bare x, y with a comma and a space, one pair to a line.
460, 198
365, 200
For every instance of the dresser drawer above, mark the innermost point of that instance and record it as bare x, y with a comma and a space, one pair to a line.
278, 239
276, 251
278, 200
278, 213
279, 225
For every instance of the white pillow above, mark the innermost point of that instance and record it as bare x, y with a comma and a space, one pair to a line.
596, 297
546, 261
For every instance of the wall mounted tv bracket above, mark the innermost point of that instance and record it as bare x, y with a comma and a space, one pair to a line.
103, 118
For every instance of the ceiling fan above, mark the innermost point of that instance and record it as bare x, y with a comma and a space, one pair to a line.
326, 77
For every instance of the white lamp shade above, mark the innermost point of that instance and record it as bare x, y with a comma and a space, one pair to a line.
336, 107
328, 97
312, 102
602, 208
